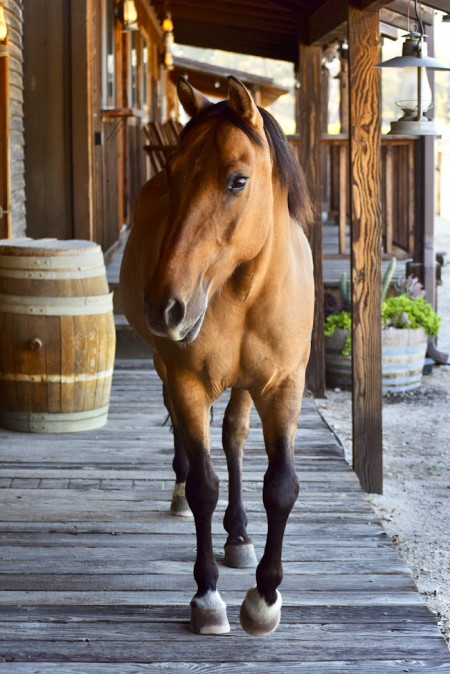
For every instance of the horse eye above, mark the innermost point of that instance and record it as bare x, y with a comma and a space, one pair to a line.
238, 183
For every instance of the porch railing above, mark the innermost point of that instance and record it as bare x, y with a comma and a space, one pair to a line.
398, 210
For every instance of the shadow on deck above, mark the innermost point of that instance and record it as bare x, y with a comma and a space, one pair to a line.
96, 576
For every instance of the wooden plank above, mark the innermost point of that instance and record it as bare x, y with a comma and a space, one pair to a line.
231, 650
139, 631
260, 667
351, 616
343, 190
389, 200
364, 85
4, 148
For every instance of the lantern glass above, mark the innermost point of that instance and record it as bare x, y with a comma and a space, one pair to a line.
130, 15
409, 95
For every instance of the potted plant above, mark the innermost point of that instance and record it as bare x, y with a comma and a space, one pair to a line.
407, 322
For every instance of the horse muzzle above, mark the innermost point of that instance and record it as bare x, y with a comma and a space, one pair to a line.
175, 319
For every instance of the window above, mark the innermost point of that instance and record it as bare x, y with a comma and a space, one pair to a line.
144, 90
108, 55
134, 70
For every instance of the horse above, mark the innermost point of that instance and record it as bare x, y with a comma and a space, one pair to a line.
217, 277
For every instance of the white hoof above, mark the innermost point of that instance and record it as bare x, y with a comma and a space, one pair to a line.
240, 556
257, 618
179, 506
209, 614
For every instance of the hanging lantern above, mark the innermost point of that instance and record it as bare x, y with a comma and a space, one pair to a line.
130, 17
167, 27
415, 92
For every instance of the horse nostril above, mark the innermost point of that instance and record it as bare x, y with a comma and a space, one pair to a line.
174, 312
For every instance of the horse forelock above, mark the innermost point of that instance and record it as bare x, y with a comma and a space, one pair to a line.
284, 161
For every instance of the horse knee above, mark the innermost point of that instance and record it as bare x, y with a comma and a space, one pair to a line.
202, 489
281, 486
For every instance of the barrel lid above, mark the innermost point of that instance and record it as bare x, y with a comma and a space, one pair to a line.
47, 247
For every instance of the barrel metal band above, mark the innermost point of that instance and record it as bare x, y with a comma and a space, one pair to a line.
56, 306
94, 259
63, 422
56, 378
51, 275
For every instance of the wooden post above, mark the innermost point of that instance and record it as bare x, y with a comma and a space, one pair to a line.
4, 144
429, 254
310, 156
365, 219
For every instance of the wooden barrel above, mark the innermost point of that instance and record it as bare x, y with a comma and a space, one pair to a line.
338, 368
403, 358
57, 336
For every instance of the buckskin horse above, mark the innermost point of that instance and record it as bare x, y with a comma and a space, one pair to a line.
217, 277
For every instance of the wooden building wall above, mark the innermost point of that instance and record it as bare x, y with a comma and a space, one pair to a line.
85, 158
13, 223
47, 102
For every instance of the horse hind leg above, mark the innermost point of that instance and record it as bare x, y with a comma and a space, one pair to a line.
239, 550
179, 506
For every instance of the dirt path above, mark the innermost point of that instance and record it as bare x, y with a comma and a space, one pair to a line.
415, 505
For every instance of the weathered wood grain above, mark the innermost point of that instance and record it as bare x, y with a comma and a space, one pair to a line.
95, 575
365, 226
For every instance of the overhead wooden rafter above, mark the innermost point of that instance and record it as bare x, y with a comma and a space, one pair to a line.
274, 28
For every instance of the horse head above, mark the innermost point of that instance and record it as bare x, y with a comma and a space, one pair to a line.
219, 182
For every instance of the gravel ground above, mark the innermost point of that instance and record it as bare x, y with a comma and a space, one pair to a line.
414, 508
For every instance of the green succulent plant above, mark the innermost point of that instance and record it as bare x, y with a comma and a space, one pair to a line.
407, 310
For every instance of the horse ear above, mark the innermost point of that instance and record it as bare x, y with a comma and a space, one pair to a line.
243, 104
191, 99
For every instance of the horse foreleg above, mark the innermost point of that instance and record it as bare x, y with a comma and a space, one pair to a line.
239, 550
208, 611
261, 610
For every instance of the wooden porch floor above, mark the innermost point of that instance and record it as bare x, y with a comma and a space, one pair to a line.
96, 576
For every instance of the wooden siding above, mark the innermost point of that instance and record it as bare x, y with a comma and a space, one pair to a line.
17, 215
96, 576
47, 104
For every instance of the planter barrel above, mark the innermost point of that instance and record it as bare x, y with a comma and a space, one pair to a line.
403, 357
338, 368
57, 336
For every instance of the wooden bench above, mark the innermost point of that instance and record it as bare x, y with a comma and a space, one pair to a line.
162, 140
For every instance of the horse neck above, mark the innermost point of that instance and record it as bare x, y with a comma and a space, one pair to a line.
254, 274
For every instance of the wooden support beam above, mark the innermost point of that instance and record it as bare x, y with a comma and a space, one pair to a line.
388, 31
406, 8
81, 72
327, 22
310, 156
365, 219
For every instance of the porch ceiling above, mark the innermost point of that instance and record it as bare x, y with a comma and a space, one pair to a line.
274, 28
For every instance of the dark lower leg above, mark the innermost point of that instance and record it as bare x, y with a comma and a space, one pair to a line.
234, 434
202, 492
280, 493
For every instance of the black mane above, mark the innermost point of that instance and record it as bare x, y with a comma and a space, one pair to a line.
286, 165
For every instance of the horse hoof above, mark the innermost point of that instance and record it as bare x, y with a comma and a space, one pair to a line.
209, 615
257, 618
240, 556
179, 506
